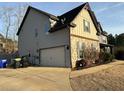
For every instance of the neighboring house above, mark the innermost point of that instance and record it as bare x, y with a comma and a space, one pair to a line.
10, 46
59, 40
2, 43
7, 45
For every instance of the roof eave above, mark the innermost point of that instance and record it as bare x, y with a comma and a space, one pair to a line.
63, 26
48, 14
25, 16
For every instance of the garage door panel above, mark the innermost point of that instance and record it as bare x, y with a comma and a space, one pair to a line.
53, 57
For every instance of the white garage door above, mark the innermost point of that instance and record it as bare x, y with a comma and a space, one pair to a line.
53, 57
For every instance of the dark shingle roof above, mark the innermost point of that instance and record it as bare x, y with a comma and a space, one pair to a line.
70, 15
67, 17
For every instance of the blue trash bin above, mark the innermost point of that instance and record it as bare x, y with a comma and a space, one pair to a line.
3, 63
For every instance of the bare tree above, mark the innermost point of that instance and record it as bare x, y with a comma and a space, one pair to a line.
11, 18
19, 14
6, 19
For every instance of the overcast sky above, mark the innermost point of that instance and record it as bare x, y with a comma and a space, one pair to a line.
110, 15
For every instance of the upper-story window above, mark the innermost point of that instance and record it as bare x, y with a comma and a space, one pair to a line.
86, 26
36, 32
104, 40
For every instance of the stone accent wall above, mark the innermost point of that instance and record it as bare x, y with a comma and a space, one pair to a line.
74, 50
78, 34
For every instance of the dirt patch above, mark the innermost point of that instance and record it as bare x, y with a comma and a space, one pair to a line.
109, 79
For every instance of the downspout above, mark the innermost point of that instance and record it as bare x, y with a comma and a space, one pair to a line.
68, 27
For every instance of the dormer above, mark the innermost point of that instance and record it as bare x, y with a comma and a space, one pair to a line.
52, 22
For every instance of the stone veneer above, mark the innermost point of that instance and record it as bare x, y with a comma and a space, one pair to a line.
74, 41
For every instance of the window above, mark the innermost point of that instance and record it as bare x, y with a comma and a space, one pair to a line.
36, 33
107, 49
80, 50
94, 46
104, 39
86, 26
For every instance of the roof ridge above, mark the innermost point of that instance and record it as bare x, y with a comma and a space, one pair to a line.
49, 14
73, 9
69, 16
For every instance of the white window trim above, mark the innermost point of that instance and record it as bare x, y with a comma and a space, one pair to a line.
84, 20
79, 48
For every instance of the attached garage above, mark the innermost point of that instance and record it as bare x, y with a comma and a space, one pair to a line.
53, 57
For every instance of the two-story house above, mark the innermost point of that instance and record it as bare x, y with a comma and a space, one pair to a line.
59, 40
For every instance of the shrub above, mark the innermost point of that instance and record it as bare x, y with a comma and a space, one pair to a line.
105, 57
119, 53
112, 57
91, 55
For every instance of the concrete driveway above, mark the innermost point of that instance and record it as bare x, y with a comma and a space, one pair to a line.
35, 78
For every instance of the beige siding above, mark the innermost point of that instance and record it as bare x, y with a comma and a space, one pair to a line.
79, 29
78, 34
74, 41
28, 42
103, 39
